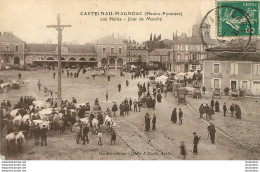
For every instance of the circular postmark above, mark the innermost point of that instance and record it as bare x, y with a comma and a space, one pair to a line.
235, 23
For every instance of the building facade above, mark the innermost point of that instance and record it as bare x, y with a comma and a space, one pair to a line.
187, 53
11, 50
112, 50
137, 54
243, 75
160, 57
71, 55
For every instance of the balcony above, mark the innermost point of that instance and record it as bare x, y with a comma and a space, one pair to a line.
7, 53
112, 54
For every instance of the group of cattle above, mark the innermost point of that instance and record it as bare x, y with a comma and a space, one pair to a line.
20, 126
15, 84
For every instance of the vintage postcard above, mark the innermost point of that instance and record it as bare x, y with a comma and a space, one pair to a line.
130, 80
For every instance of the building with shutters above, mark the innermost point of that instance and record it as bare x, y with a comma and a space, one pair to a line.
112, 50
187, 53
11, 50
137, 54
233, 68
159, 57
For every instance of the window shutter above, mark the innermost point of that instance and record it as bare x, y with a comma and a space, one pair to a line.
258, 66
213, 68
248, 85
212, 83
220, 71
236, 69
240, 84
220, 83
232, 68
255, 69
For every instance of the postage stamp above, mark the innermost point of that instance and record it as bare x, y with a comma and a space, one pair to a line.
237, 18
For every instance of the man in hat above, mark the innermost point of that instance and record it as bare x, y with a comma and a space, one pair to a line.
44, 135
201, 110
78, 132
225, 109
114, 108
180, 116
212, 131
130, 104
85, 133
36, 133
196, 140
154, 122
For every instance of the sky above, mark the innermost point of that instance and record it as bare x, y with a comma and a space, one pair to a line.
27, 19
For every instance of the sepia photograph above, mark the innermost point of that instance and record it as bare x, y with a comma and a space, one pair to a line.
130, 80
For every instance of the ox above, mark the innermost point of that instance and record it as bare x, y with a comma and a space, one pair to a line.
95, 125
15, 138
109, 122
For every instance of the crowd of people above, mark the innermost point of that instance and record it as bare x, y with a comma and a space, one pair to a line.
215, 107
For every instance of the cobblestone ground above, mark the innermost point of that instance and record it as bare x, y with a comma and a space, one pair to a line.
132, 141
246, 130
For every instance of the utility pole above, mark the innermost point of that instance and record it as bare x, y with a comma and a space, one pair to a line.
59, 28
107, 81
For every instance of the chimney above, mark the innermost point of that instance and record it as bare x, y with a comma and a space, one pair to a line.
257, 46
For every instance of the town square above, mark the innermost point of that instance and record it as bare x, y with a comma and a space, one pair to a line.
179, 97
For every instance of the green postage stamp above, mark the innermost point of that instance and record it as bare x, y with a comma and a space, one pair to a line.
237, 18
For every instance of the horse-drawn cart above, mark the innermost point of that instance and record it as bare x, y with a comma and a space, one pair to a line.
217, 92
237, 93
181, 95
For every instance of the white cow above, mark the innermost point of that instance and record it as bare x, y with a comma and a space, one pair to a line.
95, 125
10, 140
18, 119
19, 139
109, 122
85, 121
41, 123
14, 112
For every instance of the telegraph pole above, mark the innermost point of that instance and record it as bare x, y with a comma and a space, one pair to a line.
59, 28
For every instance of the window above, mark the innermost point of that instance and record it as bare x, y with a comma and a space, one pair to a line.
216, 68
186, 57
178, 57
245, 85
186, 47
178, 47
202, 56
183, 47
234, 69
216, 83
112, 51
120, 50
17, 48
104, 50
7, 47
256, 68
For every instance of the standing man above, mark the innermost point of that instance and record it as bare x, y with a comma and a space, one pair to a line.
217, 106
201, 110
36, 134
232, 109
225, 109
78, 132
19, 76
44, 135
135, 106
85, 133
195, 143
212, 103
180, 116
130, 104
154, 122
212, 131
39, 85
114, 109
119, 87
183, 150
206, 109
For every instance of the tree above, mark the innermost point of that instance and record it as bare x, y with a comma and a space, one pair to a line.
151, 37
154, 37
